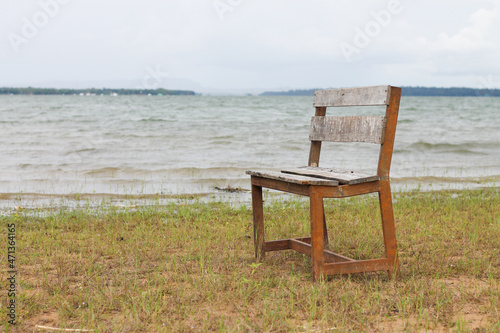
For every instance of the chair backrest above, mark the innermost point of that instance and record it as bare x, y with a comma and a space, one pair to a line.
372, 129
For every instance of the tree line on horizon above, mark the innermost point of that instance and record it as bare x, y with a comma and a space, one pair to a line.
91, 91
407, 91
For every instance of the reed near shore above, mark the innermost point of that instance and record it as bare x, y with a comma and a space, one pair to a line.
190, 267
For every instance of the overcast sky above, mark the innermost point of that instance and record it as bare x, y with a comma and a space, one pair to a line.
251, 44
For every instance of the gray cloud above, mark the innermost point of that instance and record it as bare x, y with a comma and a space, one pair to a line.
251, 44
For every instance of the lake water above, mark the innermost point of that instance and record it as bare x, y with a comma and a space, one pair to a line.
193, 144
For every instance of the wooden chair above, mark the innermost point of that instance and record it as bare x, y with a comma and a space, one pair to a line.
318, 183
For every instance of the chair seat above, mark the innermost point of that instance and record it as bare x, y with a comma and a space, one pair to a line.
291, 178
316, 176
344, 177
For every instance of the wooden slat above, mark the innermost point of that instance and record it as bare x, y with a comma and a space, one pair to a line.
294, 179
344, 191
334, 257
376, 95
303, 239
277, 245
283, 186
342, 176
348, 129
301, 247
315, 150
306, 248
357, 266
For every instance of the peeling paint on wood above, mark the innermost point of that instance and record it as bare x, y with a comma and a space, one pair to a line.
376, 95
295, 179
342, 176
348, 129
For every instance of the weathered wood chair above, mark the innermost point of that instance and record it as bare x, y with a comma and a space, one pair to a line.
318, 183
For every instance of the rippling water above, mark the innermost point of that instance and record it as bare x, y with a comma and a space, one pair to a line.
190, 144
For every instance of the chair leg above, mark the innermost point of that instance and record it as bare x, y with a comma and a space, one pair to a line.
389, 228
325, 229
258, 221
317, 235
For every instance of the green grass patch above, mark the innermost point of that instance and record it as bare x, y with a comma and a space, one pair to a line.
191, 268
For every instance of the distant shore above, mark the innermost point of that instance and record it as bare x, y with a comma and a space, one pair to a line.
92, 91
408, 91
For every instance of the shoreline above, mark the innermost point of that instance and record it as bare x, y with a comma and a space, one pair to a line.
12, 203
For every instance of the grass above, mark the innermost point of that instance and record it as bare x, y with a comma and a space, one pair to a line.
190, 268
